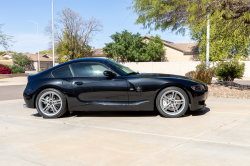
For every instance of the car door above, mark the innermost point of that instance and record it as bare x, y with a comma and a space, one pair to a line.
94, 91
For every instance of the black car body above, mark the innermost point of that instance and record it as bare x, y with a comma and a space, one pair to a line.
114, 92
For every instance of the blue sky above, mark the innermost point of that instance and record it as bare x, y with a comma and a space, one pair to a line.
115, 16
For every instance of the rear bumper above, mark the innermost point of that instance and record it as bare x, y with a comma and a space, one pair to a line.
198, 102
29, 99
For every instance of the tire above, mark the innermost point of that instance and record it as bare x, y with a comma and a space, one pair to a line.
48, 107
172, 102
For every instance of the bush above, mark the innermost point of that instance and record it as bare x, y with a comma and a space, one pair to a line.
192, 74
204, 75
200, 66
16, 69
4, 69
228, 71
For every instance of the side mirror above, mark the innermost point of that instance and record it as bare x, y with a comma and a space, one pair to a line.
108, 73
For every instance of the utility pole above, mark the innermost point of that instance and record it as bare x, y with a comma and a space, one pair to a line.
53, 34
208, 34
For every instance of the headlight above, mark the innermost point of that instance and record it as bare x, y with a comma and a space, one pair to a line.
198, 87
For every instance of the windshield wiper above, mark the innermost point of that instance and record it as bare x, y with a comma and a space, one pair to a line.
132, 73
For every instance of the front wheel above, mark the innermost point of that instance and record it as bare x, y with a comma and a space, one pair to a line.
51, 103
172, 102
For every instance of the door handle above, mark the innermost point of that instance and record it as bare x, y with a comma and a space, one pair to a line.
78, 83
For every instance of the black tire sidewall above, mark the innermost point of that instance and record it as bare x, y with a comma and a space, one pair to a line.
63, 109
164, 113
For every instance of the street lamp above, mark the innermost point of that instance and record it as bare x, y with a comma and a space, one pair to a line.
38, 45
53, 40
208, 36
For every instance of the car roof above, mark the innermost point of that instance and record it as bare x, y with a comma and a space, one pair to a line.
86, 60
101, 60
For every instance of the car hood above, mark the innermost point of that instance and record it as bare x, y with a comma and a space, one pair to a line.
159, 75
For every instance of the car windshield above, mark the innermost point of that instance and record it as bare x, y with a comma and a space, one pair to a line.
122, 69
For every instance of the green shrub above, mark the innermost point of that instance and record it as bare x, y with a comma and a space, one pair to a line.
16, 69
200, 66
41, 69
228, 71
204, 75
203, 65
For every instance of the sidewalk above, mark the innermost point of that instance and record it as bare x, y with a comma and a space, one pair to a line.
13, 81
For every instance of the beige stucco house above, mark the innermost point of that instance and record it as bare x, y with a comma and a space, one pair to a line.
46, 61
174, 52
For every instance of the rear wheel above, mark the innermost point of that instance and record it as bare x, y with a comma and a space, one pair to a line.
172, 102
51, 103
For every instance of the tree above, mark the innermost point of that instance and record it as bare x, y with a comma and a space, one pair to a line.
2, 52
66, 53
223, 44
177, 14
5, 40
21, 60
72, 34
44, 52
229, 20
132, 47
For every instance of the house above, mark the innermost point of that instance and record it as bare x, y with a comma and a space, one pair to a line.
46, 61
174, 52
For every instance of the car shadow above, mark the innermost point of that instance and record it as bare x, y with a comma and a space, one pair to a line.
197, 112
36, 115
126, 113
114, 114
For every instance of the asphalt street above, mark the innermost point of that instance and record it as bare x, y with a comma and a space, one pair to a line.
11, 92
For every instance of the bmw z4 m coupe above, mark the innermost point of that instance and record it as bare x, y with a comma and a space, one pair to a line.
96, 84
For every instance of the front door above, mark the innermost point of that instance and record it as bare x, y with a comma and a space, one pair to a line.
94, 91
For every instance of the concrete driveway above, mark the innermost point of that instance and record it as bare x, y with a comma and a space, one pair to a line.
218, 135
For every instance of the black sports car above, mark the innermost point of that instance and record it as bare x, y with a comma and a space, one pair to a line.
100, 84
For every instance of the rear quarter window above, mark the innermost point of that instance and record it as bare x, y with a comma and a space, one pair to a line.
62, 72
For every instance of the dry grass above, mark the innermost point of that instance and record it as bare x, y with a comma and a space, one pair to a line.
229, 90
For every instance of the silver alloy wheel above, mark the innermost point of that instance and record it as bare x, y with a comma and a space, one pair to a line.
172, 102
50, 103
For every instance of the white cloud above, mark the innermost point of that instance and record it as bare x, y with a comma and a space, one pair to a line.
27, 42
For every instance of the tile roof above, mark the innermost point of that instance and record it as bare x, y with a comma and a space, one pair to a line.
34, 57
97, 52
186, 48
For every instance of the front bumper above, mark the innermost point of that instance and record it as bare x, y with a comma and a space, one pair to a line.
198, 100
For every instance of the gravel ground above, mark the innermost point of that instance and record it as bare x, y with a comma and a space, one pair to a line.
229, 90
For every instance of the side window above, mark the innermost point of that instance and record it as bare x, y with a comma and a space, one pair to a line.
62, 72
88, 69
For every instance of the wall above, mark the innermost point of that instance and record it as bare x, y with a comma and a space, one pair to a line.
7, 62
179, 68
